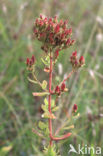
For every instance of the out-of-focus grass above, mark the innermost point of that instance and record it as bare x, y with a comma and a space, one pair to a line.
18, 109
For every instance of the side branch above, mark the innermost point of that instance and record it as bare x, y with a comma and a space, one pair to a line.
49, 100
67, 77
61, 138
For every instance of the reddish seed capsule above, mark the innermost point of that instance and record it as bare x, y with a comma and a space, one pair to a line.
76, 62
68, 41
56, 53
65, 22
27, 61
70, 31
57, 28
82, 60
63, 86
33, 59
62, 36
74, 54
35, 30
57, 90
72, 42
50, 19
61, 22
41, 16
75, 107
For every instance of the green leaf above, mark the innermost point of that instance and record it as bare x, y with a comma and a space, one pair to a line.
69, 127
47, 131
55, 108
44, 107
44, 84
40, 93
45, 62
52, 103
42, 125
51, 151
48, 59
46, 102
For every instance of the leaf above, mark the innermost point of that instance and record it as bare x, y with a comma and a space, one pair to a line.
45, 62
46, 101
42, 125
52, 103
32, 81
44, 107
51, 151
55, 108
48, 115
44, 84
40, 93
48, 59
47, 131
69, 127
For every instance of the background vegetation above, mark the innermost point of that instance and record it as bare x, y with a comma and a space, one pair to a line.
19, 110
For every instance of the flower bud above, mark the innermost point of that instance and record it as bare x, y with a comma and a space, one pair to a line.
75, 107
63, 87
27, 61
31, 61
57, 28
74, 54
56, 53
57, 90
68, 41
82, 60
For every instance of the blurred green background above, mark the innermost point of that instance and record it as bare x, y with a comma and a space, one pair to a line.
19, 110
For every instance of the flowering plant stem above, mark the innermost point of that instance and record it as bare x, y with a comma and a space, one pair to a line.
49, 100
55, 36
49, 106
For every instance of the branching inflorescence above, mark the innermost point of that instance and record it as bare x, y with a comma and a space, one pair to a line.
55, 36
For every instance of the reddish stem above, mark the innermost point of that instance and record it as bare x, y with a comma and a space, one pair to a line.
67, 77
62, 137
49, 107
49, 100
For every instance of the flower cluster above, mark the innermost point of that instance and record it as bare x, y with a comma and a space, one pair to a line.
60, 89
30, 61
53, 33
75, 62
